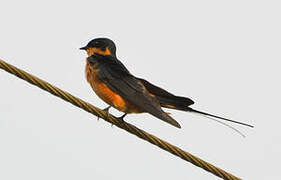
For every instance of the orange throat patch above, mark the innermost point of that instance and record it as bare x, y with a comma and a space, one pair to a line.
91, 51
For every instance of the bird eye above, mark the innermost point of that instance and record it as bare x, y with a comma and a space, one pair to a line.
97, 44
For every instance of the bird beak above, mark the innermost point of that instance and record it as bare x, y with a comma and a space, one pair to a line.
83, 48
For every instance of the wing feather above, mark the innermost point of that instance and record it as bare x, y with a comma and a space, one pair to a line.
167, 99
114, 74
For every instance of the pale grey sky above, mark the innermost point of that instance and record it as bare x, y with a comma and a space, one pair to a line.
225, 55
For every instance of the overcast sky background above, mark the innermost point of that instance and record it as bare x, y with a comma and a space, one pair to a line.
225, 55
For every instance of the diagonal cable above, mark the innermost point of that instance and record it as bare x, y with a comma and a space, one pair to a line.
119, 123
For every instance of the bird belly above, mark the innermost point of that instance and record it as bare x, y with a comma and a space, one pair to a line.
106, 94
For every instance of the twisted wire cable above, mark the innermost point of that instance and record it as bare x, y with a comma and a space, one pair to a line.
119, 123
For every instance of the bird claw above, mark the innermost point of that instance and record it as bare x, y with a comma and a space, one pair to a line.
105, 110
121, 118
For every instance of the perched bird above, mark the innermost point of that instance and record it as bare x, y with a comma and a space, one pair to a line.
115, 85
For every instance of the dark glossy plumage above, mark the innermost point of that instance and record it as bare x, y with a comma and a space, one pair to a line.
116, 86
114, 74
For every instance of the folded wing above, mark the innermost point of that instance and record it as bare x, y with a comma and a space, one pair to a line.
117, 78
167, 99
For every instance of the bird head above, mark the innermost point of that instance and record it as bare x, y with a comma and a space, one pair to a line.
103, 46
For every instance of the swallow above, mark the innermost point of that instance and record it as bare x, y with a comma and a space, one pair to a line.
116, 86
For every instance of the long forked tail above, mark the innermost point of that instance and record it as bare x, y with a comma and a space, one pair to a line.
171, 101
182, 103
214, 116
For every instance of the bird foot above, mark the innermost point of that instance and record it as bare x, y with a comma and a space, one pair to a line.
106, 110
122, 117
